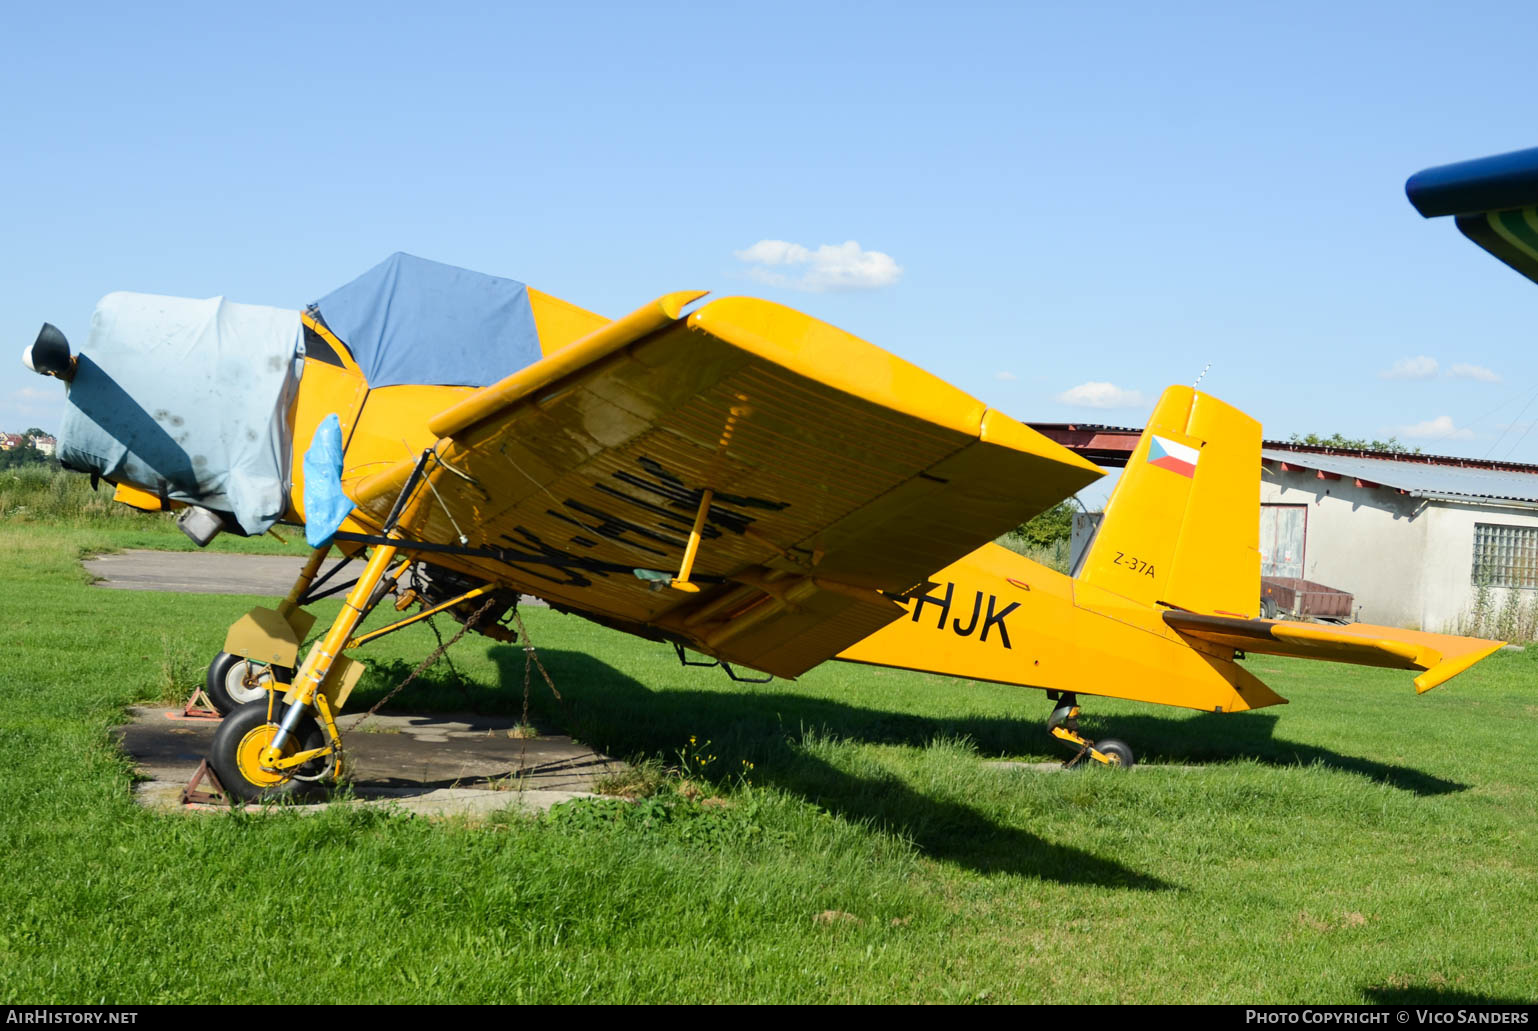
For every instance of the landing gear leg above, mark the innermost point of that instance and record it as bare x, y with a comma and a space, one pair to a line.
265, 746
1063, 724
262, 647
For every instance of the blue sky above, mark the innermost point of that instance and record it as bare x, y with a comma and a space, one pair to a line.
1041, 196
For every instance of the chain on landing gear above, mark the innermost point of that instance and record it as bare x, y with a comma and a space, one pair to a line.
1063, 724
433, 585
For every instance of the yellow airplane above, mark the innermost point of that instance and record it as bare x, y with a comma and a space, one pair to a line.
735, 478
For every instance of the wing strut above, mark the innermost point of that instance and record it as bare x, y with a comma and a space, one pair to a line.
681, 581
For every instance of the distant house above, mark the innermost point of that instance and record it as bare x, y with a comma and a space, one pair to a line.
44, 443
1412, 537
11, 440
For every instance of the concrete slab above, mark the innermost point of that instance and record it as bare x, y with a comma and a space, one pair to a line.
206, 572
438, 764
196, 572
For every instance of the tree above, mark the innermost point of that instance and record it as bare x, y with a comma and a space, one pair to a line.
1391, 445
1051, 526
25, 454
33, 431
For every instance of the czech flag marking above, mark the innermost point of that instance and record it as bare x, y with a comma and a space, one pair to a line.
1177, 458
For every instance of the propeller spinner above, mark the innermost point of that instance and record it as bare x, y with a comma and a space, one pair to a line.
49, 354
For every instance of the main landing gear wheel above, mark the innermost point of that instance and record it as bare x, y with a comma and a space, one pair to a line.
234, 681
238, 746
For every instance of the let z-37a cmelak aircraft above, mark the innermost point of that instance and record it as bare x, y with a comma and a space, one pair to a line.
736, 478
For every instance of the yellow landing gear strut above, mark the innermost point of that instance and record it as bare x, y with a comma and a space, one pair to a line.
1063, 724
271, 747
275, 746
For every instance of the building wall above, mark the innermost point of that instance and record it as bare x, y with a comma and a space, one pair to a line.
1408, 561
1365, 540
1449, 582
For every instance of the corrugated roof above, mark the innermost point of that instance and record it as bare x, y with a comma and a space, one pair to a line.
1421, 479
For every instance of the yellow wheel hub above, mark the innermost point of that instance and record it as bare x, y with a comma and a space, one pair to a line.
248, 756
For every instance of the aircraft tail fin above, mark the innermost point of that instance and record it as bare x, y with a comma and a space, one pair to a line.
1182, 526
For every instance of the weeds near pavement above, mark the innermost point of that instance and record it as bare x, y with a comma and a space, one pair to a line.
691, 779
179, 671
696, 759
637, 780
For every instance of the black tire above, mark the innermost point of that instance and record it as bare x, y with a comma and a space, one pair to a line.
233, 681
1116, 751
1268, 609
239, 740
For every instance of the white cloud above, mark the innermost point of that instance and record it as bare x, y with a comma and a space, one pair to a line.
1440, 428
1005, 375
845, 266
1419, 367
1465, 371
36, 394
1101, 395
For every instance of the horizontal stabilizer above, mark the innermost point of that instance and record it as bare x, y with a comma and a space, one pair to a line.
1441, 656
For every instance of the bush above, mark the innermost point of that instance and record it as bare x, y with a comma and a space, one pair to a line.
42, 492
1051, 526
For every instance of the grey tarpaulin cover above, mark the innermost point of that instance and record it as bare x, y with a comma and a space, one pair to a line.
191, 396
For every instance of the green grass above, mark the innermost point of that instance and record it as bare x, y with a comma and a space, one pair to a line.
44, 499
1359, 845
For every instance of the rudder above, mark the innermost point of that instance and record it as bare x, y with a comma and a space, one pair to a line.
1182, 526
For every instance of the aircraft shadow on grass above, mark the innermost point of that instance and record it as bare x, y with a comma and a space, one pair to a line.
617, 714
1428, 995
621, 716
627, 718
1214, 737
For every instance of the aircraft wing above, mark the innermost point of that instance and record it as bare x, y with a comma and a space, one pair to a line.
1494, 201
838, 474
1441, 656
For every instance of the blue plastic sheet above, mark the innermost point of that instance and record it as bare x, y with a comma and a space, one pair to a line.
325, 505
410, 320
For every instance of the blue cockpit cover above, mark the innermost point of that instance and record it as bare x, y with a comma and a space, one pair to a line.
409, 320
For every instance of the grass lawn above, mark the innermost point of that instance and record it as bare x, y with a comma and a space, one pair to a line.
1359, 845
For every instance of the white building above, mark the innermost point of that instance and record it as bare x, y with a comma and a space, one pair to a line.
1410, 536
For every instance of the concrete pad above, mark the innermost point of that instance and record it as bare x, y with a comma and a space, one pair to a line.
438, 764
208, 572
196, 572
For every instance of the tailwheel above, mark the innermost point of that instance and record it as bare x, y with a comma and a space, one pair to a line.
238, 747
1063, 724
1116, 752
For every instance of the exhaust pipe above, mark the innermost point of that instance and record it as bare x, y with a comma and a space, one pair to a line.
200, 524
